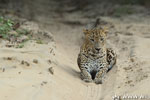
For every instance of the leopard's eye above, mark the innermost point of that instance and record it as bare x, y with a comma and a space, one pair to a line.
92, 40
102, 39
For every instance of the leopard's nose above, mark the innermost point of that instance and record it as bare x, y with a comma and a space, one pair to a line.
98, 49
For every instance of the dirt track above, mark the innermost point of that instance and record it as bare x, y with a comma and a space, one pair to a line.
128, 36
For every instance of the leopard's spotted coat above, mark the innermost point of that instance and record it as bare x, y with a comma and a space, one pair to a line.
94, 59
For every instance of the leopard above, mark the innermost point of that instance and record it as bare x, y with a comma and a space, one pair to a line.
95, 59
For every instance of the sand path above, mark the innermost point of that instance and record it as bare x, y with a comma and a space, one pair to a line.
130, 38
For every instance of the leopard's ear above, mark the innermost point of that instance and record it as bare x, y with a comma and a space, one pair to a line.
105, 30
85, 31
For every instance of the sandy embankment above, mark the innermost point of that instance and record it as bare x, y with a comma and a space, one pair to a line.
129, 37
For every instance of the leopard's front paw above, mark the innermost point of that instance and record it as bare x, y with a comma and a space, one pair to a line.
98, 80
86, 78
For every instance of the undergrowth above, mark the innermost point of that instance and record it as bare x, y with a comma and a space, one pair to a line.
9, 30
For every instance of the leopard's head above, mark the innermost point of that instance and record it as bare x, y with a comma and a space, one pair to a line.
96, 37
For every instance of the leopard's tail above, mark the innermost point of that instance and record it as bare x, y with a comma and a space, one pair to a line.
93, 25
96, 23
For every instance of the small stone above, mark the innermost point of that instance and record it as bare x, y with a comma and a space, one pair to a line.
35, 61
127, 68
19, 72
128, 82
25, 63
3, 69
51, 50
9, 58
44, 82
9, 45
132, 60
22, 62
131, 85
49, 61
51, 70
145, 76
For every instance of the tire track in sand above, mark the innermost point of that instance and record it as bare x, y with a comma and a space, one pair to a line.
93, 92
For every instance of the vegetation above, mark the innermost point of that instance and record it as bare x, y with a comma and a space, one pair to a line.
131, 2
123, 10
7, 29
6, 25
11, 31
39, 41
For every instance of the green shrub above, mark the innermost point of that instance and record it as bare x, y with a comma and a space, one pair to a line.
6, 25
123, 10
125, 2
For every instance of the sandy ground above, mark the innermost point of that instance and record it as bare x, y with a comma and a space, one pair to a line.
128, 36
